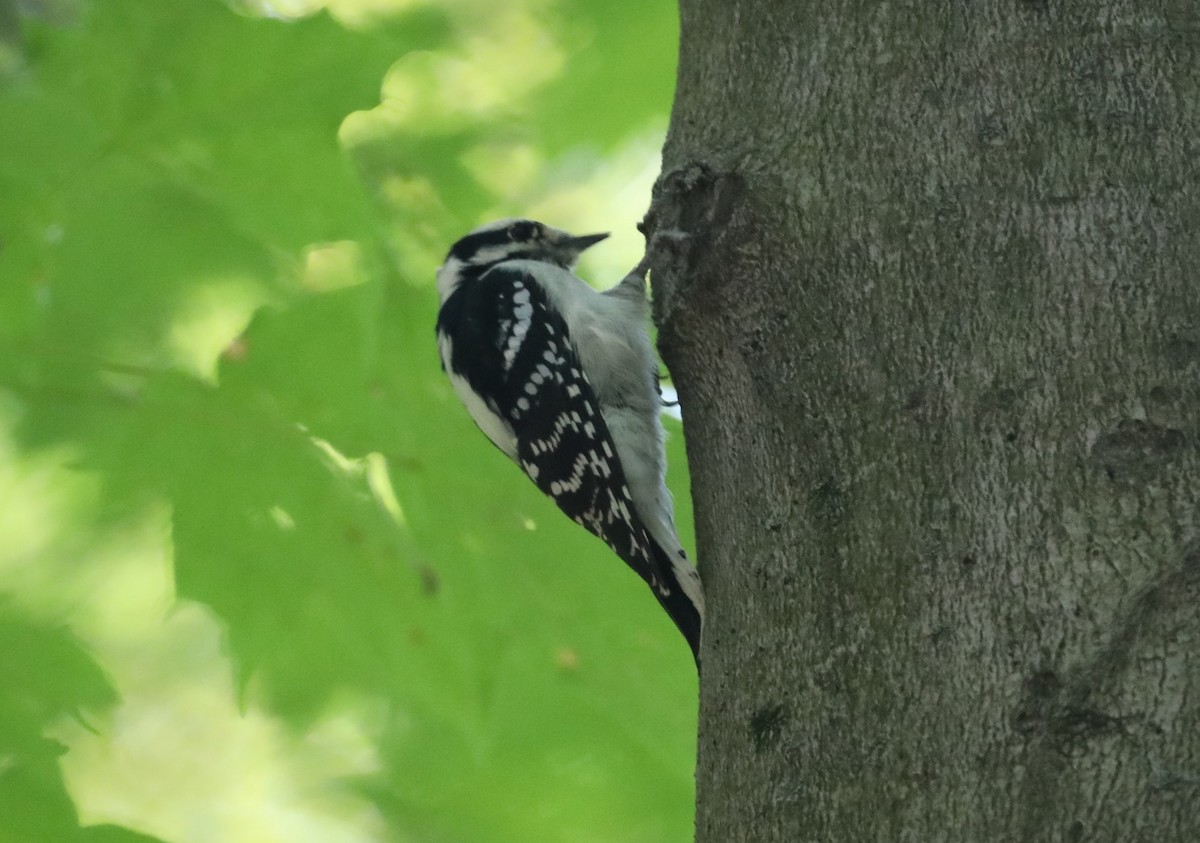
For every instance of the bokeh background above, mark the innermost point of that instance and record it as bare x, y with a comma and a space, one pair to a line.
260, 578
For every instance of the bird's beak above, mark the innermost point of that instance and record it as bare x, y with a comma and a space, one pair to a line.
578, 244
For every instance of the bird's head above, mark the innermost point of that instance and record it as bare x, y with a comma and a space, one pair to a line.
511, 239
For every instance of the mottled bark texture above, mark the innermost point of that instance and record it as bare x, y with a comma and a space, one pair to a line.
932, 305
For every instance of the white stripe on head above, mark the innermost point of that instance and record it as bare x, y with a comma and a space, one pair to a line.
449, 276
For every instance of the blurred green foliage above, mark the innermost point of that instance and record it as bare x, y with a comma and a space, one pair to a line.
247, 535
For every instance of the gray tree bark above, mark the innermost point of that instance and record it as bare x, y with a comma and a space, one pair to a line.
927, 277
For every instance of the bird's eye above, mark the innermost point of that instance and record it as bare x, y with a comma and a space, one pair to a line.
524, 231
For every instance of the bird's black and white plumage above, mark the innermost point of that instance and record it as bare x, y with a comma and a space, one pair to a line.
563, 380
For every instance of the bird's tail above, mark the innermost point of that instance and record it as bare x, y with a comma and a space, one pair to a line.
680, 600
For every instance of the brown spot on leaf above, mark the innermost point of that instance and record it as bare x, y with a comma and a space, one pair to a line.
430, 581
237, 350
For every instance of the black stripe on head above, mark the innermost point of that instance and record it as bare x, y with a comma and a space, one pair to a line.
467, 247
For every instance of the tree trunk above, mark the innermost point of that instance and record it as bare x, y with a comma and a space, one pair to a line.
928, 281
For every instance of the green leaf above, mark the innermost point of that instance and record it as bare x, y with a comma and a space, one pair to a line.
47, 675
222, 320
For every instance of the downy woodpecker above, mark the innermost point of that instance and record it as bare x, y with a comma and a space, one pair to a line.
563, 380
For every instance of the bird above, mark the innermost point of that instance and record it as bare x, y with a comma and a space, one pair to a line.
563, 380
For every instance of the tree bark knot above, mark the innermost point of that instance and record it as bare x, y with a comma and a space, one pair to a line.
1137, 450
1062, 710
695, 200
1057, 712
690, 215
767, 725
